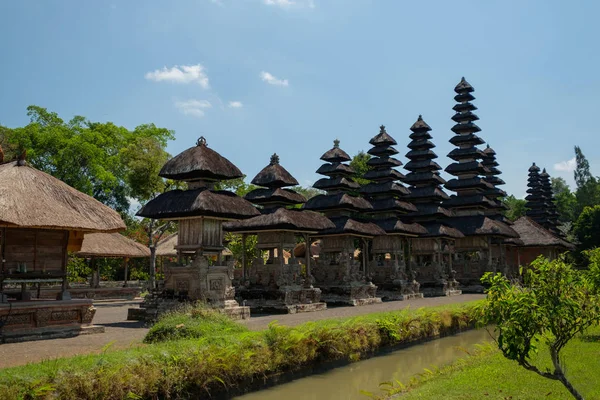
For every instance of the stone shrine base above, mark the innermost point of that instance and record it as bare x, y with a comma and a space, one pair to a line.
347, 300
35, 320
268, 307
437, 292
392, 295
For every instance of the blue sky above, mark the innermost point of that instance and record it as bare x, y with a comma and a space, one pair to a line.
289, 76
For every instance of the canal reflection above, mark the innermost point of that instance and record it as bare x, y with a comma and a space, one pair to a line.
345, 383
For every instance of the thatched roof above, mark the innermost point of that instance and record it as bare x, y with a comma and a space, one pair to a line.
111, 245
166, 247
534, 235
348, 226
436, 229
274, 175
338, 201
463, 86
479, 225
200, 162
336, 154
285, 196
282, 219
30, 198
394, 225
198, 202
300, 249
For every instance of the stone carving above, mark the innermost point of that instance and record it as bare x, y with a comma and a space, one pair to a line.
88, 315
43, 317
66, 315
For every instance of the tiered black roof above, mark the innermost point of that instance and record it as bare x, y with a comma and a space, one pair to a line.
426, 192
491, 177
537, 207
340, 203
274, 199
202, 167
470, 187
274, 178
552, 209
475, 203
386, 194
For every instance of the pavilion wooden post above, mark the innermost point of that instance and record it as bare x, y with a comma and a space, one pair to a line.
307, 257
489, 252
365, 246
126, 267
244, 272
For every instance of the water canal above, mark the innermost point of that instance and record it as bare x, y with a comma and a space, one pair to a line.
345, 383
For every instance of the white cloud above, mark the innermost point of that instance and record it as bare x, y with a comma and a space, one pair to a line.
235, 104
270, 79
566, 166
180, 74
193, 107
279, 3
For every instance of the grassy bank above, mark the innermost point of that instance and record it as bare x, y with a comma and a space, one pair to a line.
199, 353
487, 374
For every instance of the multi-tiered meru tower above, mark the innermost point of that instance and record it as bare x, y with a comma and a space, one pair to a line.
389, 253
432, 252
340, 276
482, 247
274, 283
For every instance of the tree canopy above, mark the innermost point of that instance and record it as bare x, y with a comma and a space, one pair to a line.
109, 162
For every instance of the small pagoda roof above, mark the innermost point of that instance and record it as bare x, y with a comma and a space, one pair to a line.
421, 144
382, 151
463, 86
275, 195
467, 116
336, 183
338, 201
416, 165
391, 204
466, 167
427, 192
465, 153
534, 168
383, 162
420, 125
436, 229
166, 247
489, 152
282, 219
335, 169
424, 154
476, 200
383, 174
467, 128
426, 211
396, 226
470, 138
200, 162
390, 187
111, 245
201, 202
349, 226
335, 154
479, 225
34, 199
476, 182
534, 235
382, 138
462, 107
428, 177
274, 175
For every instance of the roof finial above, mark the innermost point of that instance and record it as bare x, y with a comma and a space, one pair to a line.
488, 146
544, 170
382, 129
533, 165
201, 141
462, 79
420, 118
274, 159
336, 143
21, 160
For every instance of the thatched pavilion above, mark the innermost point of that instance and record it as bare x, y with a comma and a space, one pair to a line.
535, 241
110, 245
41, 220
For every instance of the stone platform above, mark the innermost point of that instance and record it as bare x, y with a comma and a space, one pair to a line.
39, 319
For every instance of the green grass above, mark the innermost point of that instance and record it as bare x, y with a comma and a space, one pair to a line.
488, 375
197, 352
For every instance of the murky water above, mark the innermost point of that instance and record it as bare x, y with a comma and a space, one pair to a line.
345, 383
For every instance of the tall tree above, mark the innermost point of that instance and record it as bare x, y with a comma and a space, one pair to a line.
565, 200
360, 167
516, 207
582, 170
83, 154
587, 227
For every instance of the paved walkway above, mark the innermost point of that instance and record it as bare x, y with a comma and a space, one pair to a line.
122, 333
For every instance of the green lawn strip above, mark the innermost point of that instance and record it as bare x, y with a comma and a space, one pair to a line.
204, 353
491, 376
